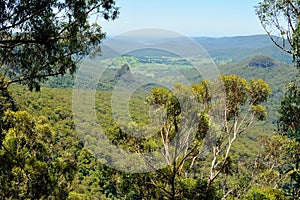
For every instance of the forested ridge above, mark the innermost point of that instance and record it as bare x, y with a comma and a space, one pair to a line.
51, 111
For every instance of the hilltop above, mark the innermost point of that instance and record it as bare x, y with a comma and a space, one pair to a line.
241, 48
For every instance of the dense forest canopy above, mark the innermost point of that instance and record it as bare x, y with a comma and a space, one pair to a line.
262, 61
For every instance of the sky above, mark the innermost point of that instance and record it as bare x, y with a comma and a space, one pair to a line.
197, 18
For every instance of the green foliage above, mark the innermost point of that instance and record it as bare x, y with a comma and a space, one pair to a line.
87, 178
276, 165
262, 61
259, 91
159, 96
243, 103
43, 156
196, 189
271, 76
289, 125
289, 121
6, 102
264, 194
28, 172
236, 93
92, 180
280, 21
166, 99
201, 90
259, 112
204, 125
47, 38
283, 16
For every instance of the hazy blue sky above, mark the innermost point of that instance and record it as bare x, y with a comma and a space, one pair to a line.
190, 17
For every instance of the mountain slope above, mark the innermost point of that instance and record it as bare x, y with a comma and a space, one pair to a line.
241, 48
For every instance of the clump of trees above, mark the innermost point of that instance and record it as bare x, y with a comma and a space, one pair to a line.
187, 175
45, 149
40, 39
262, 61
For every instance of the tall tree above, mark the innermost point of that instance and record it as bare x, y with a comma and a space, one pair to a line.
180, 154
244, 104
289, 121
289, 125
280, 19
42, 38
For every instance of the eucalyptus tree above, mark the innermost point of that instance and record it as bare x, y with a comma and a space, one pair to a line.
243, 104
280, 20
41, 38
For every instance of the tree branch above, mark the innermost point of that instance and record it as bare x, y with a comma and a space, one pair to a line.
5, 86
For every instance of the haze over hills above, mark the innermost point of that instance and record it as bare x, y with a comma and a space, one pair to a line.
241, 48
224, 49
251, 41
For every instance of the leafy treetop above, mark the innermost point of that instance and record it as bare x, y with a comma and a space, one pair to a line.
43, 38
262, 61
280, 19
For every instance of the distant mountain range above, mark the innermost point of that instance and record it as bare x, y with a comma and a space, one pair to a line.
241, 48
225, 49
252, 41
